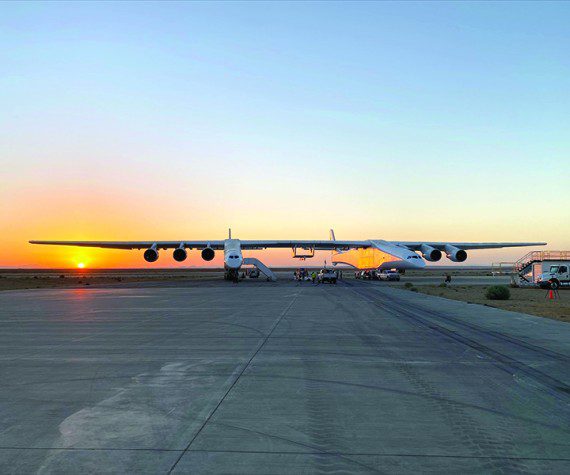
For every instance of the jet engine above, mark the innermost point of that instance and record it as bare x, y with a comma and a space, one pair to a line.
430, 253
180, 254
455, 254
151, 255
208, 253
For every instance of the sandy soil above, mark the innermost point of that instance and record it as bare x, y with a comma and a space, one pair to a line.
41, 279
531, 301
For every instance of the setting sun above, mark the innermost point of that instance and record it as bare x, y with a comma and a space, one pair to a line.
81, 265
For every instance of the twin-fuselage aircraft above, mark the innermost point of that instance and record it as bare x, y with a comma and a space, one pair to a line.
371, 254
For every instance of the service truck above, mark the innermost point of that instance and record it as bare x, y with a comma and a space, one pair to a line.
554, 275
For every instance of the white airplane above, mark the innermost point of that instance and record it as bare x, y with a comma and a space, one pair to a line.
371, 254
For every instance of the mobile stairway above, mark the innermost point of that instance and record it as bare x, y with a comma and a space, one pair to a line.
527, 269
252, 261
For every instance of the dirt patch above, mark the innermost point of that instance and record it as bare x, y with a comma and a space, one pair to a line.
53, 279
531, 301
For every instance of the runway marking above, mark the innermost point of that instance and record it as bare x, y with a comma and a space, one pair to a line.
236, 379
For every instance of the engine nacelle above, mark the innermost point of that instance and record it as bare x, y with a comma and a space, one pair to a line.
151, 255
180, 254
208, 253
455, 254
430, 253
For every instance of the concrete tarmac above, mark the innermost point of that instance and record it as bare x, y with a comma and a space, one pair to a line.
280, 377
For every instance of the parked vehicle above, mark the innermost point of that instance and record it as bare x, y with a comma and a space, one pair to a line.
389, 275
327, 275
558, 275
253, 273
546, 269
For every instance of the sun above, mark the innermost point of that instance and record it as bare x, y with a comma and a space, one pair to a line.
81, 265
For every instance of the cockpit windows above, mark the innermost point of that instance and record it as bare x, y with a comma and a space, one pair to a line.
413, 257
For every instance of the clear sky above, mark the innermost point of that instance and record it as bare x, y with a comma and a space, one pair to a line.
408, 121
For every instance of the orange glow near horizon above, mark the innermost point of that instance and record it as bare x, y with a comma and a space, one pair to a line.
105, 212
35, 256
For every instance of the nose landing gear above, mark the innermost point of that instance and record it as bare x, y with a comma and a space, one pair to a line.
232, 274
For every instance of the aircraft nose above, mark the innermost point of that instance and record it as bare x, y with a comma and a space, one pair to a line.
419, 264
234, 261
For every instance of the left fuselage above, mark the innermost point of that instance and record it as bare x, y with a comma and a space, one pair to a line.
233, 258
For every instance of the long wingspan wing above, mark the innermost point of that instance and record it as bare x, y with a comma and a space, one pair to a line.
416, 245
317, 245
136, 244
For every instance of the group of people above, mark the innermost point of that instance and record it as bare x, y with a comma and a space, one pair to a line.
303, 274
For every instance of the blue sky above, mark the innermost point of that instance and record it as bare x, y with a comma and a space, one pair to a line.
458, 110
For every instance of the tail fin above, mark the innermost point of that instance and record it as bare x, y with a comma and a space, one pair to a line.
334, 251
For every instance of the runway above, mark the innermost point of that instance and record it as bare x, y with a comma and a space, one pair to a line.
280, 377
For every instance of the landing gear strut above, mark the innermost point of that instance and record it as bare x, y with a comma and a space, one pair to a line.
232, 275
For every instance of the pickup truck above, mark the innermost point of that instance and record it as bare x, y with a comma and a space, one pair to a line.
253, 273
326, 275
391, 275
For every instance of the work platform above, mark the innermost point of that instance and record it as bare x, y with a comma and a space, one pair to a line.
527, 269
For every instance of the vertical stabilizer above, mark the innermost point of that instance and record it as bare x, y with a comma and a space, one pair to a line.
334, 251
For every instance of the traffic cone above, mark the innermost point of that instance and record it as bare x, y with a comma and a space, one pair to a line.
551, 294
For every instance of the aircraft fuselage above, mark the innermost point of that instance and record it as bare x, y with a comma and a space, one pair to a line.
381, 256
233, 258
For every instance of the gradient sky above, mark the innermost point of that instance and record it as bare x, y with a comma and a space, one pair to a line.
408, 121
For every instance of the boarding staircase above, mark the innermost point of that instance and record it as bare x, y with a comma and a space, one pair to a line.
522, 268
252, 261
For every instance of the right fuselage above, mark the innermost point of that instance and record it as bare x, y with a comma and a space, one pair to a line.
372, 258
